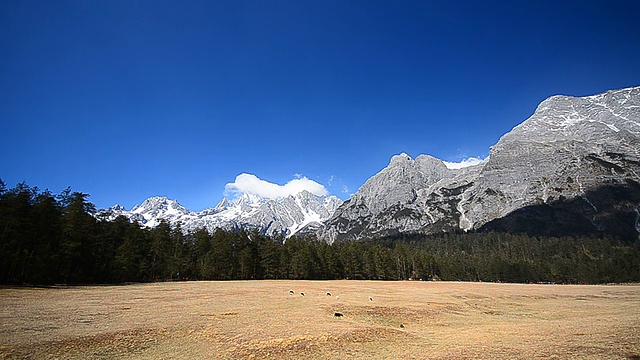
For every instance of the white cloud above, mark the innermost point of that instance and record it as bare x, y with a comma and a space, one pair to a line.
464, 163
251, 184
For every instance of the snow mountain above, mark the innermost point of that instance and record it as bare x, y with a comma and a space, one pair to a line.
297, 214
572, 168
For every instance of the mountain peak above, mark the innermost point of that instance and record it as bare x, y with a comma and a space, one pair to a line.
117, 207
156, 201
248, 199
281, 216
588, 119
556, 171
400, 159
223, 204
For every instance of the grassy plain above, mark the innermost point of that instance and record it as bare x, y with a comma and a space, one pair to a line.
261, 319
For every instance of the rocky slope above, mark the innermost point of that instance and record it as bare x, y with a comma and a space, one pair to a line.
295, 214
573, 167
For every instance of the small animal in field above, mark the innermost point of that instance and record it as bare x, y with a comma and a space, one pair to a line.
370, 298
338, 315
328, 294
291, 292
402, 326
301, 294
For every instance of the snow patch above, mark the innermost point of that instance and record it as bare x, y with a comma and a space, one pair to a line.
472, 161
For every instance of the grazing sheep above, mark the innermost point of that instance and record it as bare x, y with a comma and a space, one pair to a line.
370, 298
402, 326
291, 292
338, 315
301, 294
328, 294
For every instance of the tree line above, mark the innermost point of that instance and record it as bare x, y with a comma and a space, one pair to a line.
57, 239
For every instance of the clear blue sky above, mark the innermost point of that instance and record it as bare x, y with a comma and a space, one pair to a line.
129, 99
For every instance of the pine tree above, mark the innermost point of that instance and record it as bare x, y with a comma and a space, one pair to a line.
78, 245
17, 232
268, 253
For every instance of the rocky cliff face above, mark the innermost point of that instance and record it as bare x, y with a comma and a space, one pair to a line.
574, 161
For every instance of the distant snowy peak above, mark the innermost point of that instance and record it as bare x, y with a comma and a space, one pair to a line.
152, 211
282, 216
160, 204
117, 207
304, 199
249, 199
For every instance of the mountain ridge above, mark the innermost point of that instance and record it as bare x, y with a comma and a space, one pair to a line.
574, 159
569, 148
285, 216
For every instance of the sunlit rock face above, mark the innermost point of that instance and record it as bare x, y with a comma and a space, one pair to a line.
576, 160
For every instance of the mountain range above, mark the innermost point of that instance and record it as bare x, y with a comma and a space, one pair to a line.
572, 168
302, 214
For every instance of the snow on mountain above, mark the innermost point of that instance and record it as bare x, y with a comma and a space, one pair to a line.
464, 163
282, 216
572, 168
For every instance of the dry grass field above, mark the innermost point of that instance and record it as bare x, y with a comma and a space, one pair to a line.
262, 319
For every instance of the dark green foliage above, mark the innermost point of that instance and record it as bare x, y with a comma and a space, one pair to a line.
47, 239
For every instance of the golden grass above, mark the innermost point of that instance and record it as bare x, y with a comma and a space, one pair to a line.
261, 319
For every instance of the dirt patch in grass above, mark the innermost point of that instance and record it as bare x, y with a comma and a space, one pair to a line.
263, 319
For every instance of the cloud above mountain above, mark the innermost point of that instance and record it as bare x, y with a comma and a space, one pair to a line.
464, 163
251, 184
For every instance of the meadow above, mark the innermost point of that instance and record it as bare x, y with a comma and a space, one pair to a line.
272, 319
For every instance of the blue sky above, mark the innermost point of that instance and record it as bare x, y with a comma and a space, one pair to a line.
129, 99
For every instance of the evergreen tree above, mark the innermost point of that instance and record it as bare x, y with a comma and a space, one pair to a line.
130, 261
78, 245
269, 257
48, 239
161, 252
17, 232
42, 259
